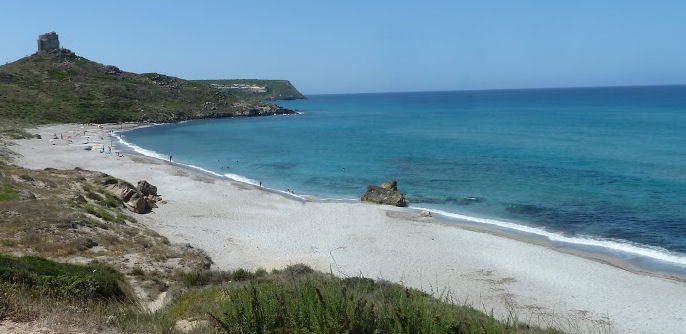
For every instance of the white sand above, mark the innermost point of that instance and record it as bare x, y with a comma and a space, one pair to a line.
241, 226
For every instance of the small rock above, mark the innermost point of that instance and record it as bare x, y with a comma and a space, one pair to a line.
79, 198
26, 195
37, 136
146, 188
425, 213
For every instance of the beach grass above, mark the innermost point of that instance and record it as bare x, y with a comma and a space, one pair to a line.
294, 300
51, 278
8, 192
299, 300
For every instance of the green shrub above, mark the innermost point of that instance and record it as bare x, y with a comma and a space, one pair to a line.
104, 214
137, 271
320, 304
56, 74
8, 193
242, 275
193, 278
206, 277
94, 196
45, 277
260, 272
111, 201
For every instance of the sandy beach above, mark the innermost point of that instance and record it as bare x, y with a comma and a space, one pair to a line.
242, 226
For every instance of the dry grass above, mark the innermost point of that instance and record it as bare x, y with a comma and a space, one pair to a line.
73, 218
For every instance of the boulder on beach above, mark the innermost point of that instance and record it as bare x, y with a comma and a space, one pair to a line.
140, 199
147, 188
387, 194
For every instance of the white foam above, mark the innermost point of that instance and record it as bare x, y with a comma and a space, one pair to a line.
139, 149
234, 177
243, 179
657, 253
203, 170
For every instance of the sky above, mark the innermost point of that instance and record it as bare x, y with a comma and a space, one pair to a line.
369, 46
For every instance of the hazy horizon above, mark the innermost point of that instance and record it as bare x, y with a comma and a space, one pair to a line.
360, 47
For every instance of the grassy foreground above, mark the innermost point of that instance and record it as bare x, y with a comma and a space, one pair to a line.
294, 300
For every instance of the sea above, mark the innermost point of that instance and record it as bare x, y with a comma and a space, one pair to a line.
600, 170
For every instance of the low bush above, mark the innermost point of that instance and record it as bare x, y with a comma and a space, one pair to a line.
45, 277
7, 192
104, 214
317, 303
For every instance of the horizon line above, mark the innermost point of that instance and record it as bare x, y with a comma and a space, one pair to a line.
496, 89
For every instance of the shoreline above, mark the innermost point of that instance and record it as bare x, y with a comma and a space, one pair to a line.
622, 254
242, 225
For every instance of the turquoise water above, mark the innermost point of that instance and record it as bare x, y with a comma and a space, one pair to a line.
604, 166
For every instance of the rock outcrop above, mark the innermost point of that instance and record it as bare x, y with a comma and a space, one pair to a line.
147, 188
387, 194
140, 199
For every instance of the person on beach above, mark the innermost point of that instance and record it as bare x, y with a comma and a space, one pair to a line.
260, 184
170, 159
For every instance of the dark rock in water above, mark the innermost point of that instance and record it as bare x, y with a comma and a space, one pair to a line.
392, 185
381, 195
147, 188
37, 136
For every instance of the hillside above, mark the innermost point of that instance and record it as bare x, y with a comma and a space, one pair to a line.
263, 90
59, 86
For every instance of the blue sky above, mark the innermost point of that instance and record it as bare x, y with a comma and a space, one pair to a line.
369, 46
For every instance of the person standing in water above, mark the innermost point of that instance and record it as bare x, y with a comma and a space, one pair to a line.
170, 159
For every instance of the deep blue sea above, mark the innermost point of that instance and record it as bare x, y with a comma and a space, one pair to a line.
594, 166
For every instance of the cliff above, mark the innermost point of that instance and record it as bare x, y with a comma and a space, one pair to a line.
264, 90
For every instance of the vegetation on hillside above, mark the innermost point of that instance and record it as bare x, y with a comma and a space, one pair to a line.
294, 300
269, 90
62, 87
49, 278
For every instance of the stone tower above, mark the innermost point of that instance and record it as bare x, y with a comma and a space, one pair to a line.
47, 42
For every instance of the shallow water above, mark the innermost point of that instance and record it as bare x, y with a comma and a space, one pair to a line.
600, 164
